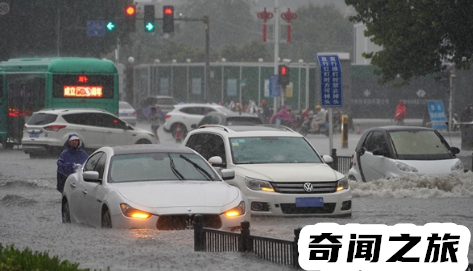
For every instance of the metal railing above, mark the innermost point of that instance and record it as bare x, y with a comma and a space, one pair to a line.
340, 163
279, 251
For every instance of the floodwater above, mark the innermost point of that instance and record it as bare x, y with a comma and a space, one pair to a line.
30, 217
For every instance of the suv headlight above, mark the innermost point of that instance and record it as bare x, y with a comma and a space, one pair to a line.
259, 185
342, 184
458, 166
405, 167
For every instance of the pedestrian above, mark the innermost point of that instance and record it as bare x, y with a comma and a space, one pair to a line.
71, 157
400, 113
154, 118
266, 111
282, 117
466, 115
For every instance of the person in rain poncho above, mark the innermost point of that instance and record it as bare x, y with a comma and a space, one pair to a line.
69, 160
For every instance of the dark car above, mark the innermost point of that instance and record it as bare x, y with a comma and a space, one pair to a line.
229, 119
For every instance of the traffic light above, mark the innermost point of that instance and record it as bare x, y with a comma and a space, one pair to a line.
130, 14
168, 19
149, 20
283, 75
110, 25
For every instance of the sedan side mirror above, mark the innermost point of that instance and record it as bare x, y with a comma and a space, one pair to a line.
379, 151
91, 176
362, 151
455, 150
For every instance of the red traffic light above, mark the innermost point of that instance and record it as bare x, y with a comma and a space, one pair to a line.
168, 11
283, 70
130, 10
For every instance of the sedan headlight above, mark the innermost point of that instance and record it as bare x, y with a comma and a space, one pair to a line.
129, 211
405, 167
342, 184
259, 185
237, 211
458, 166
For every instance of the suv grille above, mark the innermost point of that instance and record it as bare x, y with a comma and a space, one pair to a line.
182, 222
290, 208
298, 188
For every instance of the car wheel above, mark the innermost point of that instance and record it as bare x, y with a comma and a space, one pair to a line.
143, 141
183, 130
66, 214
106, 219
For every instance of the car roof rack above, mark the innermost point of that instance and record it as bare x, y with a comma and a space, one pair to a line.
278, 126
225, 128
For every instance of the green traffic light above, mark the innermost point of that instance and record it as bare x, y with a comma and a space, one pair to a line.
110, 26
149, 27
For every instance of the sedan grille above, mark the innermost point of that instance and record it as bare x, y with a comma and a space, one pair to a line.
298, 188
290, 208
182, 222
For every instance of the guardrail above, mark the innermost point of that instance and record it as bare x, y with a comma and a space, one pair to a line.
279, 251
340, 163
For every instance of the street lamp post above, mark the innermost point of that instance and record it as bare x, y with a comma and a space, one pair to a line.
223, 61
187, 85
260, 60
450, 101
299, 90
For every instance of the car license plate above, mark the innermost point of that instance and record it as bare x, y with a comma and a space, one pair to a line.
123, 114
310, 202
34, 135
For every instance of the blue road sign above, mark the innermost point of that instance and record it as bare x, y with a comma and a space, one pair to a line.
95, 28
437, 115
330, 80
274, 90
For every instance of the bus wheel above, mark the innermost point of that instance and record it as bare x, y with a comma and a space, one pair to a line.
143, 141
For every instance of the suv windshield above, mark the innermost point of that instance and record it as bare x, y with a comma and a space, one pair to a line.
262, 150
419, 145
41, 119
159, 167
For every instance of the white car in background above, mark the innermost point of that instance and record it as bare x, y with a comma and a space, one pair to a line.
127, 113
392, 151
278, 170
187, 115
156, 186
47, 130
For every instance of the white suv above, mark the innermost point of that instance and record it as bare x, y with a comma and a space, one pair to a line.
278, 170
47, 130
188, 114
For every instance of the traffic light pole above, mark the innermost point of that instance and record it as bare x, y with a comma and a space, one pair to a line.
205, 20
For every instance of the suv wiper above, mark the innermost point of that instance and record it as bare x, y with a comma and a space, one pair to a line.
199, 168
174, 170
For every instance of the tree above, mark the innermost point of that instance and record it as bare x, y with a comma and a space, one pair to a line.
30, 29
418, 37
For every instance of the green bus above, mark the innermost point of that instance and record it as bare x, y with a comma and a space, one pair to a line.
31, 84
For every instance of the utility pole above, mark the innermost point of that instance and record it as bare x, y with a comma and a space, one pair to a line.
276, 49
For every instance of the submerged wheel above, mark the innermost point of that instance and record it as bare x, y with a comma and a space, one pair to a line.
66, 214
106, 219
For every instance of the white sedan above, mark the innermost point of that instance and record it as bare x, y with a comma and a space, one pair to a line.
153, 186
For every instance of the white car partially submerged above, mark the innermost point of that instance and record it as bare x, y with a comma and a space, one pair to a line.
154, 186
392, 151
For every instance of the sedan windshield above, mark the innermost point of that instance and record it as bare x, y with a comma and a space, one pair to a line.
160, 167
261, 150
419, 145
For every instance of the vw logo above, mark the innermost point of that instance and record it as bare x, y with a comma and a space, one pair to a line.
308, 187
